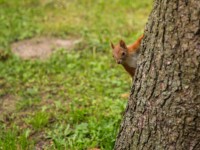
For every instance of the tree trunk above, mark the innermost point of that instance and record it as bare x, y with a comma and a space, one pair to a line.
163, 111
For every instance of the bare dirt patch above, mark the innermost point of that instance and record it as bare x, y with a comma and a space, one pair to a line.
7, 105
41, 48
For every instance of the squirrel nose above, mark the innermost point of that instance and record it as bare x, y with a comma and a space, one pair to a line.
119, 61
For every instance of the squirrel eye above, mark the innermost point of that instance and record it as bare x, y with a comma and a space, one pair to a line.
123, 53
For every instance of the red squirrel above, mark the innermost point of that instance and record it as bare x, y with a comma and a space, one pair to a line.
126, 55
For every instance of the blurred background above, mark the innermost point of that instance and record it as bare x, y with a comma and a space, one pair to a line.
59, 85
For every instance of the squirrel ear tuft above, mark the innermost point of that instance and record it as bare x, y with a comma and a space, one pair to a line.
112, 45
122, 43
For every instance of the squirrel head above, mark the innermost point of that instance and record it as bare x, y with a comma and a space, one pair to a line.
120, 52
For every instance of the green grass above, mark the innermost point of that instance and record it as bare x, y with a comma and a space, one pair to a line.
73, 99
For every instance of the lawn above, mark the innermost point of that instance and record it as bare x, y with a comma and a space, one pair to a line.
73, 99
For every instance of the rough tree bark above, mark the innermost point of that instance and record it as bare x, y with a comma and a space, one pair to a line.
163, 111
